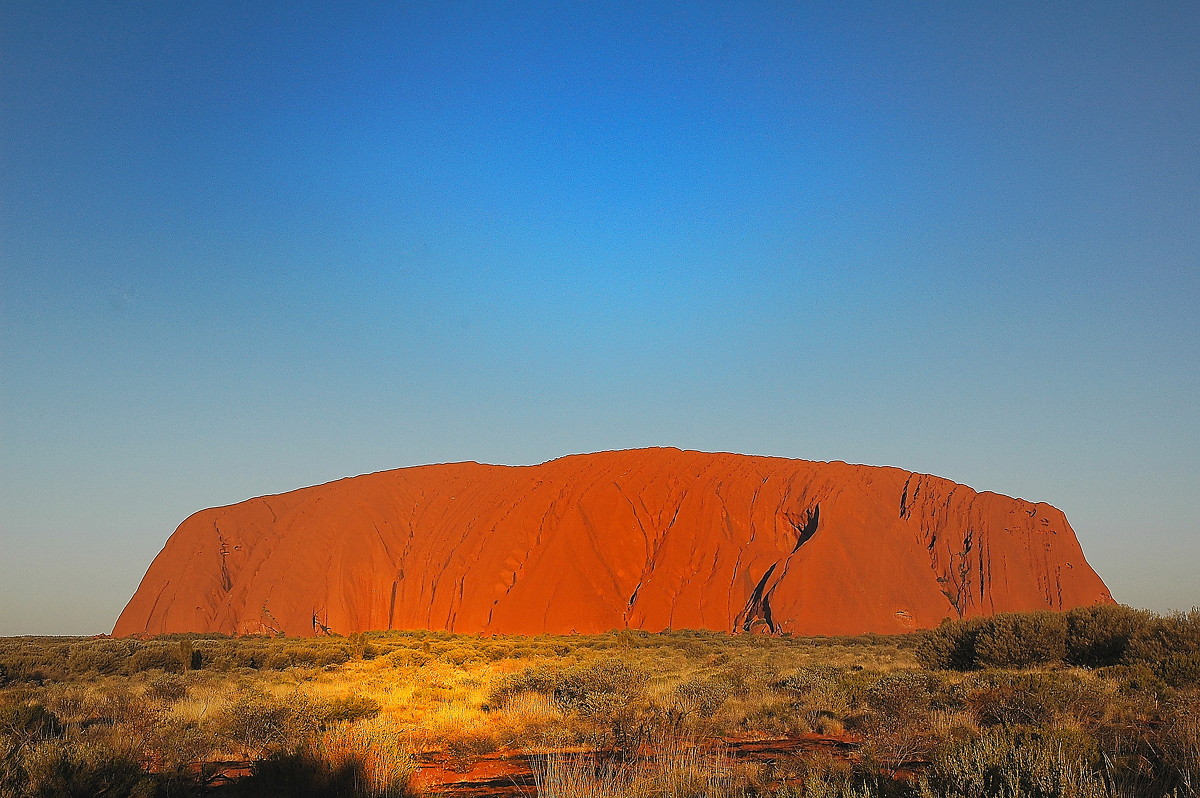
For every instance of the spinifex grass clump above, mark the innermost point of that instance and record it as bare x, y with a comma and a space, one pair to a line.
678, 771
1003, 763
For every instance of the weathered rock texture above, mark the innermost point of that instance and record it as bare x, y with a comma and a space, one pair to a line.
648, 539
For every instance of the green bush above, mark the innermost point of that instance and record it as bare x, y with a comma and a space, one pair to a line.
1180, 670
609, 695
1098, 636
1094, 637
1161, 637
541, 680
154, 657
951, 646
696, 699
32, 661
1180, 739
908, 695
1019, 640
1134, 679
97, 657
586, 687
897, 728
805, 680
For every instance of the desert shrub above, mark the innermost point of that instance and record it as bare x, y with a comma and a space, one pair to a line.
154, 657
1038, 699
1008, 764
357, 646
591, 686
766, 713
1136, 679
246, 655
897, 727
825, 710
695, 700
32, 661
541, 680
97, 657
609, 694
1018, 640
674, 773
372, 753
1094, 637
823, 697
298, 774
1162, 637
303, 656
70, 703
167, 687
189, 657
464, 746
262, 727
405, 657
117, 702
459, 655
58, 769
345, 709
175, 745
1098, 636
1180, 670
855, 683
951, 646
1180, 739
903, 694
806, 680
25, 723
334, 655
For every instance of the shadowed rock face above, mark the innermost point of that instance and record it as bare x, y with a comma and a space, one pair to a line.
647, 539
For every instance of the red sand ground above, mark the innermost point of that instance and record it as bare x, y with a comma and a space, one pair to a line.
510, 774
648, 539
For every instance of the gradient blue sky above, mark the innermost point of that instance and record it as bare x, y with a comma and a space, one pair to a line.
250, 247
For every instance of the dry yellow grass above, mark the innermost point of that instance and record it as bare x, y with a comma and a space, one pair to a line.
377, 751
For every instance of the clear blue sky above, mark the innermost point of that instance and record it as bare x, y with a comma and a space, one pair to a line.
250, 247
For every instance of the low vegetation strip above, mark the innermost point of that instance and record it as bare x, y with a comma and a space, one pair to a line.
1099, 702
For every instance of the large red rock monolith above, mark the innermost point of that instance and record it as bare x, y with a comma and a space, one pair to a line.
648, 539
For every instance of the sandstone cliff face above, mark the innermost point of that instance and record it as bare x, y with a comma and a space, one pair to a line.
648, 539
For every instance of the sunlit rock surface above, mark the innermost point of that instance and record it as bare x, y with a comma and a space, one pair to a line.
648, 539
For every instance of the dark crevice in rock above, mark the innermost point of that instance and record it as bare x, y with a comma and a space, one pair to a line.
319, 626
392, 601
226, 580
758, 608
634, 595
805, 526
